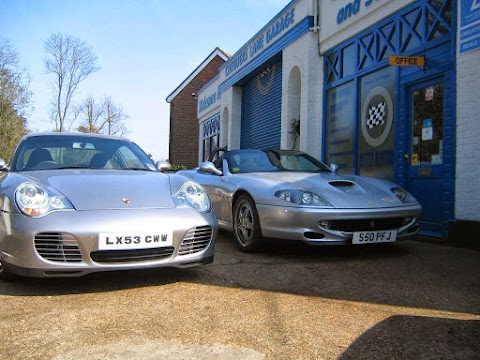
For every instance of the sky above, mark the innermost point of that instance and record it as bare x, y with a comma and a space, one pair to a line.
144, 48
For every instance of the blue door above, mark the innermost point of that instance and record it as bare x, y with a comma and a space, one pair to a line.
427, 178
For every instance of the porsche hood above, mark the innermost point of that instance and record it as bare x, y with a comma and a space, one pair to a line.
111, 189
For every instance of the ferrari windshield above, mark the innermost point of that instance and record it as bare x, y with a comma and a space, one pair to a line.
71, 151
246, 161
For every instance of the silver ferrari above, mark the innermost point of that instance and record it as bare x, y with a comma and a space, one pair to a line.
73, 203
285, 194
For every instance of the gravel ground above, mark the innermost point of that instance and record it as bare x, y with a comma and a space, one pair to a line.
412, 300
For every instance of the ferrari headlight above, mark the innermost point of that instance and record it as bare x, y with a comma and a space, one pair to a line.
35, 200
302, 197
194, 196
400, 193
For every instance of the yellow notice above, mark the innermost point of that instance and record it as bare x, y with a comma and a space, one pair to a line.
414, 159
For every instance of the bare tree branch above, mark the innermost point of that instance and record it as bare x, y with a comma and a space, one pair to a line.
103, 117
90, 114
70, 61
114, 120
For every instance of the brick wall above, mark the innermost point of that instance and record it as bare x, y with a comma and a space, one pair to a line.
183, 147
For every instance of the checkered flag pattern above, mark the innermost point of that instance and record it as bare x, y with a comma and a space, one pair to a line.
376, 115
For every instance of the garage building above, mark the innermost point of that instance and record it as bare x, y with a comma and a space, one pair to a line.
382, 88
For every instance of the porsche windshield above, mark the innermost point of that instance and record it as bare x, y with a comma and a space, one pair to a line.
66, 152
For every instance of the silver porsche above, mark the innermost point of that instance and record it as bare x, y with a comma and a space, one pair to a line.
73, 204
285, 194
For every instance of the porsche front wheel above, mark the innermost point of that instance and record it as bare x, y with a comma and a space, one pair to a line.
246, 225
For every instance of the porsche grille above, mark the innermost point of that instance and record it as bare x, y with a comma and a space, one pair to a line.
122, 256
58, 247
62, 247
196, 239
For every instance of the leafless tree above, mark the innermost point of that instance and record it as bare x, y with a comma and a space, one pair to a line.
14, 99
114, 119
90, 114
102, 117
70, 61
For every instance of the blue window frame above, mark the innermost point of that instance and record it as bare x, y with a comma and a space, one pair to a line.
210, 135
419, 27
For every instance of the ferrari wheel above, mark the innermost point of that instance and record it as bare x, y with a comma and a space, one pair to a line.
246, 225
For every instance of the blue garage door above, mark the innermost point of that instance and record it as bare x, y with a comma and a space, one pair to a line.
262, 108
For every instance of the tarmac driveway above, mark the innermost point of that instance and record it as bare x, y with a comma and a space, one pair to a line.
411, 300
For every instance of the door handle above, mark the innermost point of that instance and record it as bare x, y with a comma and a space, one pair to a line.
406, 156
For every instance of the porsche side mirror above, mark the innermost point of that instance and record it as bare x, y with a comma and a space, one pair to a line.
334, 167
163, 165
209, 167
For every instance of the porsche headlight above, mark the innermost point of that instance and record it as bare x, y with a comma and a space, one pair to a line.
35, 200
194, 196
302, 197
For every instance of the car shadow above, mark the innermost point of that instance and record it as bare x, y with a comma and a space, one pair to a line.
410, 273
95, 282
416, 337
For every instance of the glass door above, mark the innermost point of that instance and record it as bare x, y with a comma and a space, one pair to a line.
425, 156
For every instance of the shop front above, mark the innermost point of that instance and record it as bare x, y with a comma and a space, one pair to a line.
381, 88
389, 96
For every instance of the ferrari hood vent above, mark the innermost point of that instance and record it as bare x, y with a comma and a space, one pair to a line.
347, 186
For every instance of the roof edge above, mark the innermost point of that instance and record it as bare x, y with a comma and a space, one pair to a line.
216, 52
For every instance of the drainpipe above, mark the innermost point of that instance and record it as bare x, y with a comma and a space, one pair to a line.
316, 21
315, 11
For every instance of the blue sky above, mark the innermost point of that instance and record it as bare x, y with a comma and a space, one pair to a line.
145, 49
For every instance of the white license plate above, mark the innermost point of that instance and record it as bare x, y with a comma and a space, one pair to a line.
369, 237
125, 241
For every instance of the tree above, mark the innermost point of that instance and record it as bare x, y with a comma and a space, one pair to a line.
103, 117
14, 100
70, 61
114, 119
89, 113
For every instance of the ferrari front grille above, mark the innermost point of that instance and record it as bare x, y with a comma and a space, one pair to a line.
58, 247
196, 239
131, 256
366, 224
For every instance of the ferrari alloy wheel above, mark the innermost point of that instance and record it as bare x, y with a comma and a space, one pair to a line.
246, 225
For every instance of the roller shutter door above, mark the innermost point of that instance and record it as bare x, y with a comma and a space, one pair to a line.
261, 109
